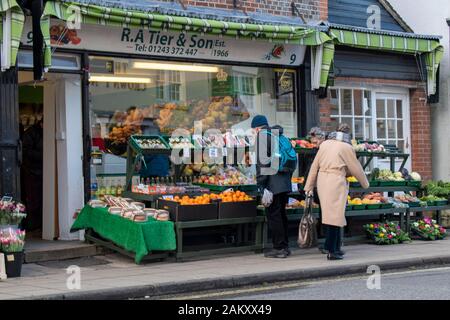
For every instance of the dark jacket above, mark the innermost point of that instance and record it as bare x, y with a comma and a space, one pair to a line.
267, 174
32, 145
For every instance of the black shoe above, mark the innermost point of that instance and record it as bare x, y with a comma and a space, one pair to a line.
281, 254
334, 256
340, 252
288, 251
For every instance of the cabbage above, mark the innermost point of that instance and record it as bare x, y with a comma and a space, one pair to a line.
416, 176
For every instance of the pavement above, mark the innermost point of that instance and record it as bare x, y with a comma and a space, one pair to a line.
113, 276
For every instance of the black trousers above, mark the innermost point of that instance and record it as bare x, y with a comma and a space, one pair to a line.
277, 221
333, 238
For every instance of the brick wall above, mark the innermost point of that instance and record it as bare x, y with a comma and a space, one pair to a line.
420, 117
310, 9
421, 134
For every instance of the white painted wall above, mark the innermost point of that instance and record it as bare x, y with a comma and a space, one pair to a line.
429, 17
70, 150
49, 172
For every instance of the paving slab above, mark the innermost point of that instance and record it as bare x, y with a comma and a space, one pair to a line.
118, 277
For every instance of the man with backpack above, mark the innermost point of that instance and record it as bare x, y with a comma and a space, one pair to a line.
276, 161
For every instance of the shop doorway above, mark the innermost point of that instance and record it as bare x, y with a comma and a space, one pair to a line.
51, 172
31, 125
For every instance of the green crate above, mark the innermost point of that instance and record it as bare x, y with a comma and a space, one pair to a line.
441, 203
414, 183
385, 183
431, 203
398, 183
355, 185
373, 206
294, 211
349, 208
414, 204
374, 183
359, 207
316, 210
386, 206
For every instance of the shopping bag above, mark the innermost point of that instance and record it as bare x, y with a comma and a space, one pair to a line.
307, 232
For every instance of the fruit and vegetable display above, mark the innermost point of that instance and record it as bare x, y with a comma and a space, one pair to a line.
132, 210
438, 188
303, 144
217, 112
180, 143
226, 196
388, 175
432, 199
352, 179
295, 204
228, 176
428, 229
376, 197
361, 201
299, 180
386, 233
150, 143
155, 187
406, 198
125, 125
367, 146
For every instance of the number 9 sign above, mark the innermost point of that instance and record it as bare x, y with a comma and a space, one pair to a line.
293, 58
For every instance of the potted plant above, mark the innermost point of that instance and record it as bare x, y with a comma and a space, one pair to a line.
428, 229
12, 242
11, 213
386, 233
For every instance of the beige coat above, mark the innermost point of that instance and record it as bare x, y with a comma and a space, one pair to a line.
334, 161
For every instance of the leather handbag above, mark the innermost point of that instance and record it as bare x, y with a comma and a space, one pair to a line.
307, 232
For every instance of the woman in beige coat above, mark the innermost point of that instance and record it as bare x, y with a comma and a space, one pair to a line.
334, 161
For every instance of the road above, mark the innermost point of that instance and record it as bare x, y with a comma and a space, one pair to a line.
430, 284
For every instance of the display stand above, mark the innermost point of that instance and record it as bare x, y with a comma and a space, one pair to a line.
243, 223
257, 243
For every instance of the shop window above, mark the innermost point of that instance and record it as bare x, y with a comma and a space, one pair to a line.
390, 123
130, 96
352, 106
384, 123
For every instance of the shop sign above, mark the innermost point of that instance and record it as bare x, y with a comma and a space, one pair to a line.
170, 44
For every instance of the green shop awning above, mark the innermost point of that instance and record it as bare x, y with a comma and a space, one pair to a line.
107, 16
430, 48
11, 26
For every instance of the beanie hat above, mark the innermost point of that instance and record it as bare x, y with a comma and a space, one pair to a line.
259, 121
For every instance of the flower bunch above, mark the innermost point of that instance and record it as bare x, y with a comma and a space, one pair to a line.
386, 233
428, 229
12, 240
11, 212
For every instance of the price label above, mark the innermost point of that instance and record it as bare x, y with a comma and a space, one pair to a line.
294, 187
213, 153
7, 199
168, 197
186, 152
10, 257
